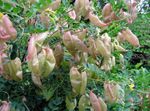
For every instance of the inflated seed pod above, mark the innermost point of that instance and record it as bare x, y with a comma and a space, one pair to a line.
76, 80
103, 104
7, 31
113, 92
130, 37
95, 102
83, 83
81, 33
82, 8
12, 68
96, 21
59, 54
5, 106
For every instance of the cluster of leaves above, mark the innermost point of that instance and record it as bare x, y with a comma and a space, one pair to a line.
24, 95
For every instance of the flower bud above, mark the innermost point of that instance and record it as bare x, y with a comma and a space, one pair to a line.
113, 93
5, 106
59, 54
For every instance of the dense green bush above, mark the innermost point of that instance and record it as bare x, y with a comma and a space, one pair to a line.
56, 91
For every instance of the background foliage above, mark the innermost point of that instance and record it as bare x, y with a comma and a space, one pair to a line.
25, 96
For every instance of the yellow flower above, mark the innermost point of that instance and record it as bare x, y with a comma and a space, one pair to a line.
131, 86
1, 15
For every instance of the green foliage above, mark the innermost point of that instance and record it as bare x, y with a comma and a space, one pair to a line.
25, 96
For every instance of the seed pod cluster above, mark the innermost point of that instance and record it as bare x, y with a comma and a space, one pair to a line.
41, 60
10, 69
110, 15
113, 92
78, 81
128, 36
73, 43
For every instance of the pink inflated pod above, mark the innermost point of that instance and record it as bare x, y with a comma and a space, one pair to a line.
72, 14
40, 37
81, 34
5, 106
55, 5
59, 54
130, 37
44, 19
102, 48
113, 92
108, 13
120, 37
95, 102
32, 58
36, 80
12, 68
32, 51
96, 21
79, 44
68, 42
83, 83
92, 48
82, 8
46, 61
76, 79
132, 7
103, 104
107, 64
8, 27
107, 41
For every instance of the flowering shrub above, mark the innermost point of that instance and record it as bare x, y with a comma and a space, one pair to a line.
72, 55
